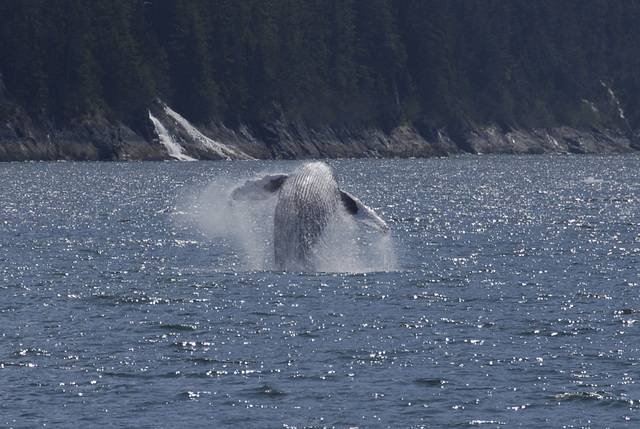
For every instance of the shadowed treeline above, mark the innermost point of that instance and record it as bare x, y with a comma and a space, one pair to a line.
375, 62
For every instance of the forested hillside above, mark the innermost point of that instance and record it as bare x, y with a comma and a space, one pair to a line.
429, 63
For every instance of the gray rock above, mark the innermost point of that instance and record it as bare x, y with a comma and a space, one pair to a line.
22, 138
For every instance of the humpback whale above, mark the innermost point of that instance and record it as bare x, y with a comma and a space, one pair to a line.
307, 200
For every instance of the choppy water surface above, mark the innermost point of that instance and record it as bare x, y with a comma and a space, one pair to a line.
132, 295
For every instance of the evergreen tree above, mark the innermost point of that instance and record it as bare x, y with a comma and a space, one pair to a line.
381, 62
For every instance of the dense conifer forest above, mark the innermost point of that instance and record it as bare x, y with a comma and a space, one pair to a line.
430, 63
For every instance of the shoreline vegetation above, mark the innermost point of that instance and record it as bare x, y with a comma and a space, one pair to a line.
288, 79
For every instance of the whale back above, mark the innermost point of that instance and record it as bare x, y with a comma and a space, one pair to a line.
306, 202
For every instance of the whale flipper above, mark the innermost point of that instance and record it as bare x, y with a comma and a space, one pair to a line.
363, 213
259, 189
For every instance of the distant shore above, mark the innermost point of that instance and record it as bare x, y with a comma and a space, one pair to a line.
23, 139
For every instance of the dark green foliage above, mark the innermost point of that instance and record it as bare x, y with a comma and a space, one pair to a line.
383, 62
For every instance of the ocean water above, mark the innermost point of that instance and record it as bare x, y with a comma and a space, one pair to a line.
507, 295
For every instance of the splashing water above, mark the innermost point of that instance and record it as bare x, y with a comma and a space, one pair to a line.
349, 246
345, 246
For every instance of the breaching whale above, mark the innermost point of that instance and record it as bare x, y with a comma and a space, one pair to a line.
307, 199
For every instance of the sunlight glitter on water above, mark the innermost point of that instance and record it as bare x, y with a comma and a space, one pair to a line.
511, 302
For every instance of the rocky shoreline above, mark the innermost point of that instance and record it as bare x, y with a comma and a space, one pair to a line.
24, 139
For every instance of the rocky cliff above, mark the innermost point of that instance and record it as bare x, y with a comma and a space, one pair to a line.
24, 139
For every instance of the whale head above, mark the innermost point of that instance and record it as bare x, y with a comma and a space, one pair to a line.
306, 202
